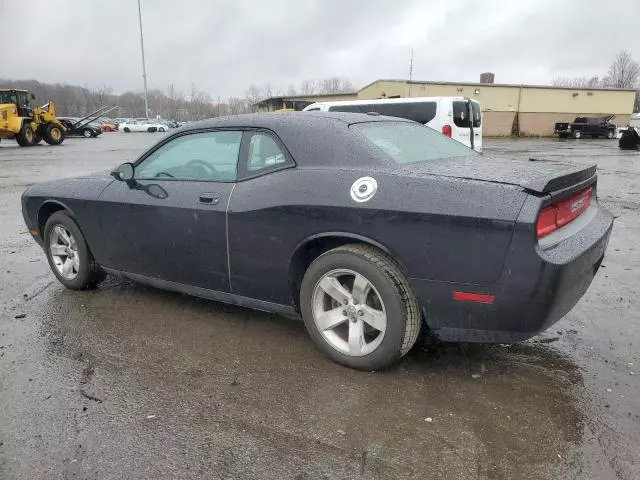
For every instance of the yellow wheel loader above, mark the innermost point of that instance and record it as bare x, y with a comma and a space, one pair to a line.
29, 126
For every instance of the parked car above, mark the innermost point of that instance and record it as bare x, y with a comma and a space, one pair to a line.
87, 130
585, 126
634, 122
142, 125
108, 126
455, 117
368, 227
630, 139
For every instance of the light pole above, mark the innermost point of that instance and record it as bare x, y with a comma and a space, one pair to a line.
144, 68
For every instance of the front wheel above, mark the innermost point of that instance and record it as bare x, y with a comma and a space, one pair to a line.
161, 129
577, 134
610, 134
87, 133
358, 307
53, 134
68, 254
126, 130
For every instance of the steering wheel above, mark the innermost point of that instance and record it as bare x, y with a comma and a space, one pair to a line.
211, 171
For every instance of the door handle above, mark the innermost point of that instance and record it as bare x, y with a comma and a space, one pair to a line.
210, 198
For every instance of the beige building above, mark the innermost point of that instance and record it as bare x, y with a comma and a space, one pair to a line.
511, 109
526, 110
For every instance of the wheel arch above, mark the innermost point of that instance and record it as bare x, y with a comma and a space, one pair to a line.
47, 209
315, 245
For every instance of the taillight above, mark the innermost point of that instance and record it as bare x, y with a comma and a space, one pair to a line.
446, 130
555, 216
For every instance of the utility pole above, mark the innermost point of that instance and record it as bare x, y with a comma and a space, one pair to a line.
410, 70
144, 68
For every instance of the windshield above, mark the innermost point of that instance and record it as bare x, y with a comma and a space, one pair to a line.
410, 142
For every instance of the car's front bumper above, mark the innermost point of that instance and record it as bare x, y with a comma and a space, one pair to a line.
534, 292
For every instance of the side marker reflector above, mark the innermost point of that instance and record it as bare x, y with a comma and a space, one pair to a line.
473, 297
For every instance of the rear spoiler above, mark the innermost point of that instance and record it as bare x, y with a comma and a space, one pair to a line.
555, 183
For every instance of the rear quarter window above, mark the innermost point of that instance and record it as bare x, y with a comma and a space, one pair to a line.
405, 143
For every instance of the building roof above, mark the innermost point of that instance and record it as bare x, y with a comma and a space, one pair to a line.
304, 97
477, 84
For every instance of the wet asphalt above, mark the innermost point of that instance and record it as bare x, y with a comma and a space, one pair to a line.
128, 382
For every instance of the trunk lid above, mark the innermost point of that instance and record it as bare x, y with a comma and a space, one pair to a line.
537, 176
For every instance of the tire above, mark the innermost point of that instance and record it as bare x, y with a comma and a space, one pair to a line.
37, 139
577, 134
85, 272
53, 134
610, 134
126, 130
161, 129
26, 136
386, 282
87, 133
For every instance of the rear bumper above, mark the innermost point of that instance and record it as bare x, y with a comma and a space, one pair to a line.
535, 290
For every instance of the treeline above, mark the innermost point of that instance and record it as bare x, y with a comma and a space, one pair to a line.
624, 72
77, 101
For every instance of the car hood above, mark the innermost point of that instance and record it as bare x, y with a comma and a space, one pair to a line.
539, 176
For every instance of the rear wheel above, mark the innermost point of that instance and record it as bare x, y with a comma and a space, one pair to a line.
68, 254
577, 134
610, 134
358, 307
126, 130
53, 134
37, 139
26, 135
87, 133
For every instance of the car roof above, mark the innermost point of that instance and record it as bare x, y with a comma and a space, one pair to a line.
279, 119
314, 139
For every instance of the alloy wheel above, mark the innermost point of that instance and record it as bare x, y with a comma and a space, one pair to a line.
348, 311
64, 252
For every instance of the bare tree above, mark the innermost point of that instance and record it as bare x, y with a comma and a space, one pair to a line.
335, 85
624, 72
307, 87
267, 90
578, 82
291, 90
253, 93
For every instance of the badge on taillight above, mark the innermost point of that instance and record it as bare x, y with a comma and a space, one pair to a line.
577, 205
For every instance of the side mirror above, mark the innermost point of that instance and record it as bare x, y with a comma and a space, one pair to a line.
124, 172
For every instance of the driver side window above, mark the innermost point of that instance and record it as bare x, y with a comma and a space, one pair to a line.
207, 156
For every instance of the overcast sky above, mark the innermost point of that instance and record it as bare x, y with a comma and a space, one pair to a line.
223, 46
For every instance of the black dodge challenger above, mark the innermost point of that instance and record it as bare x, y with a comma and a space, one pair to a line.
368, 227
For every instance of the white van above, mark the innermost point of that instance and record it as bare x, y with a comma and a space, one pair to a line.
456, 117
